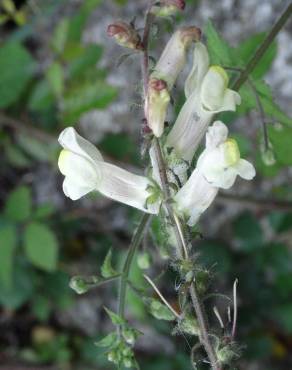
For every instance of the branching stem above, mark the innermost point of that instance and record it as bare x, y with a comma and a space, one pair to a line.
263, 48
136, 240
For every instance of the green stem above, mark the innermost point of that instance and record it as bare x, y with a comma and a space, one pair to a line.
263, 48
183, 252
136, 241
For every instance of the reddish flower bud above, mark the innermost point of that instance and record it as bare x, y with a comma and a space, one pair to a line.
125, 35
166, 8
156, 105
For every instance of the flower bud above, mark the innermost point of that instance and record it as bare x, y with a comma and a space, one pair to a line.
125, 35
156, 105
167, 8
81, 285
78, 284
144, 260
173, 58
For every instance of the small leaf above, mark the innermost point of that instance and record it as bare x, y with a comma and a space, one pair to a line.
107, 341
41, 246
44, 211
19, 204
280, 138
60, 35
7, 245
248, 231
159, 310
55, 77
88, 96
16, 70
106, 269
115, 319
88, 57
219, 50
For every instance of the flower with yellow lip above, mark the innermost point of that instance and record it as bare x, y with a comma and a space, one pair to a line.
207, 93
217, 167
85, 170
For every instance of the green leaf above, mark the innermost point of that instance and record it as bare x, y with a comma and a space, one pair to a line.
60, 35
107, 341
19, 204
281, 138
44, 211
78, 22
115, 319
37, 149
283, 314
41, 307
107, 269
247, 48
41, 246
55, 77
219, 50
41, 97
159, 310
23, 287
7, 245
248, 231
16, 70
81, 99
88, 57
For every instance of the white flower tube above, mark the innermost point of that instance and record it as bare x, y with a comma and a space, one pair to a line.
217, 167
85, 170
173, 58
207, 93
156, 105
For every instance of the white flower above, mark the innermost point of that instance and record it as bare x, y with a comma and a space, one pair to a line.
207, 93
173, 58
217, 167
156, 105
85, 170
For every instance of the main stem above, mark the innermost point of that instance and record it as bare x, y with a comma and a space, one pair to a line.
263, 48
198, 307
136, 241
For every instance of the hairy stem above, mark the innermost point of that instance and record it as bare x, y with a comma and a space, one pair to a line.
136, 241
182, 251
263, 48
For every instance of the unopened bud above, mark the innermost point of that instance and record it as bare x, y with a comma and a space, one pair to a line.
156, 105
268, 155
144, 260
173, 58
81, 284
125, 35
167, 8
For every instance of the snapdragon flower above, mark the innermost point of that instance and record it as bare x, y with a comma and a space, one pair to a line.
173, 58
217, 167
207, 93
85, 171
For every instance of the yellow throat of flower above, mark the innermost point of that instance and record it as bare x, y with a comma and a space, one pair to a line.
221, 71
63, 160
231, 152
